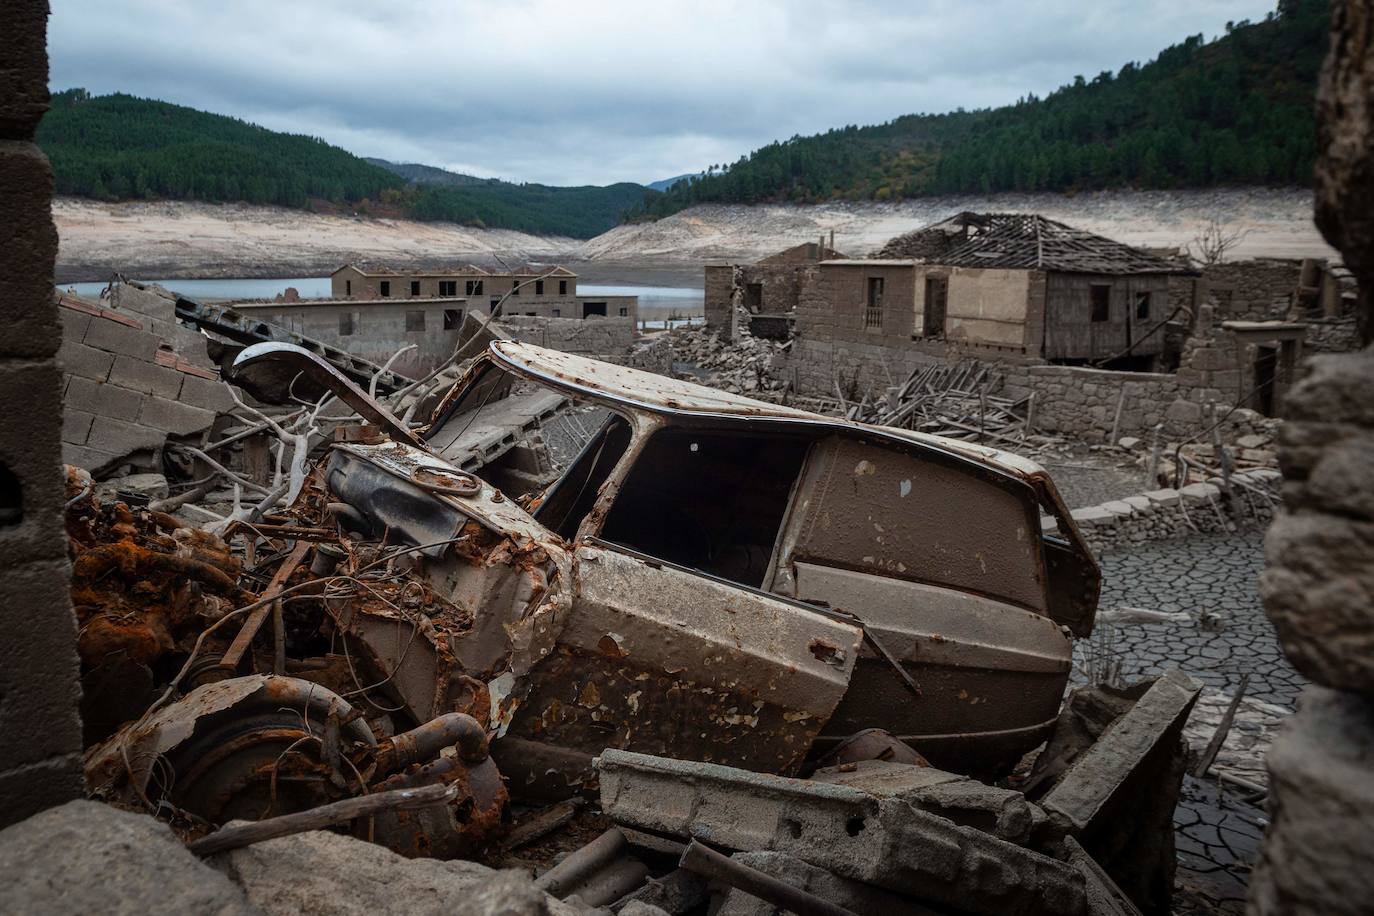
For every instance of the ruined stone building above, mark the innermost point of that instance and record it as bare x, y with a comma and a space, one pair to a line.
1014, 284
768, 290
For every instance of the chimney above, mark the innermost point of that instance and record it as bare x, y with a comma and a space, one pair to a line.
820, 248
832, 239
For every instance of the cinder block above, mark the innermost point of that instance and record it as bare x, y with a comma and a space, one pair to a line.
204, 393
30, 437
120, 438
76, 426
87, 362
175, 418
103, 399
27, 790
39, 671
145, 376
121, 339
83, 456
74, 324
28, 246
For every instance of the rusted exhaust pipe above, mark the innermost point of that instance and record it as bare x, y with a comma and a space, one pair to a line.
423, 743
582, 864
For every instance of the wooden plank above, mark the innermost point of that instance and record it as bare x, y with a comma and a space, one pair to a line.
250, 627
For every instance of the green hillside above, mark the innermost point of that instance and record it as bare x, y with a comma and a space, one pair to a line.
118, 147
1235, 111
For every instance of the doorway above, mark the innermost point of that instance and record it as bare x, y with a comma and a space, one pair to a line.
1266, 375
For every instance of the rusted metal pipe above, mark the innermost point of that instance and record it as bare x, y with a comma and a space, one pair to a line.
582, 864
423, 743
708, 863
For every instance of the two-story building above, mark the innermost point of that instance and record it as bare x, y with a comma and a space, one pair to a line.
529, 292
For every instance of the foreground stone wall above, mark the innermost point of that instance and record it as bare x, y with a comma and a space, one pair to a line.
1319, 585
40, 758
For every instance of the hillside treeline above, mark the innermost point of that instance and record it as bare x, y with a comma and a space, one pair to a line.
119, 147
1234, 111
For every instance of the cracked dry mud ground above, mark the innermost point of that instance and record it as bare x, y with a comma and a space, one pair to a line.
1205, 573
1217, 830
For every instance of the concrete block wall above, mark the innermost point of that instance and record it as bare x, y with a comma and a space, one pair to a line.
124, 389
40, 758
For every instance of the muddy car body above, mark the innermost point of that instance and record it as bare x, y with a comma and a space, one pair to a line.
718, 579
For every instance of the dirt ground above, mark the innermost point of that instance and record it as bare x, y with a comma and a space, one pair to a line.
187, 239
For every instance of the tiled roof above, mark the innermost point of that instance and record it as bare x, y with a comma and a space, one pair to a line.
1025, 240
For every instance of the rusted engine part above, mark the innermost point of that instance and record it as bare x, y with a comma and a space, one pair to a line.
143, 586
259, 746
880, 841
497, 598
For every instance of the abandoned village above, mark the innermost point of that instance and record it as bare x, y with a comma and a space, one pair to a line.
1003, 567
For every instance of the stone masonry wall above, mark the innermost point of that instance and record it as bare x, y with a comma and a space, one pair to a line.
1168, 513
40, 758
1251, 290
587, 336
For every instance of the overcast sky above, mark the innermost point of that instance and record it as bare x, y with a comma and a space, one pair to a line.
598, 91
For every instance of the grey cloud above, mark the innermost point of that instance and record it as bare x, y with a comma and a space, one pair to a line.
564, 93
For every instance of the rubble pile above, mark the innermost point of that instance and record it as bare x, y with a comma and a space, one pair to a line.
745, 366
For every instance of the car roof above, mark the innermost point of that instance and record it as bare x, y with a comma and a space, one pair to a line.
636, 388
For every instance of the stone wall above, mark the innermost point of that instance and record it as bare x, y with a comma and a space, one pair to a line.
719, 302
1332, 335
587, 336
125, 389
1168, 513
40, 758
1318, 587
1251, 290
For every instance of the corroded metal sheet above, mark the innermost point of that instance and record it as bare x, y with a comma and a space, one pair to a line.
669, 662
991, 674
882, 510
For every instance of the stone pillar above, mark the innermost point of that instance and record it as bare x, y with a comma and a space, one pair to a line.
40, 757
1318, 587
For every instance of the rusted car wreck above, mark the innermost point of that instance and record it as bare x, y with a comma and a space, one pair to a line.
709, 579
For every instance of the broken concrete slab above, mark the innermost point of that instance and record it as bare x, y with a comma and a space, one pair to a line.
885, 842
152, 486
1165, 497
1098, 775
1004, 813
1199, 492
84, 857
327, 874
1093, 516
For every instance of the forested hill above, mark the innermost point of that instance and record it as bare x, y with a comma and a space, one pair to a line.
118, 147
1235, 111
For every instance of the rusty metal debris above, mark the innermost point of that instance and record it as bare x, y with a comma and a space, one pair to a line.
703, 578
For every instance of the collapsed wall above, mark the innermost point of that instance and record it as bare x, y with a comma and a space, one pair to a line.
130, 378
